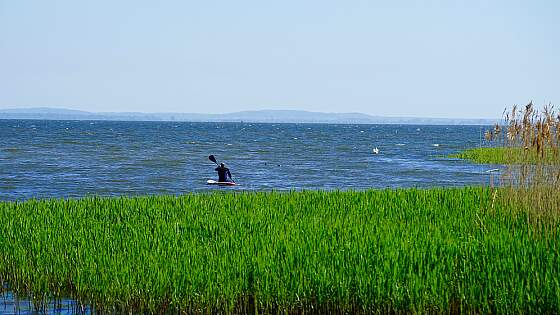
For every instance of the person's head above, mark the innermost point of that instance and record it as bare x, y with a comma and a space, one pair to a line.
222, 165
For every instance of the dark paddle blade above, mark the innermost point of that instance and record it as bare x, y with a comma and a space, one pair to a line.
212, 158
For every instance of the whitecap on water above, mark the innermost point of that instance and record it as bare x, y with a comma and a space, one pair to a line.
400, 144
435, 144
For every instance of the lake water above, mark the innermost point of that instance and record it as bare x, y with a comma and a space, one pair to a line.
52, 159
11, 304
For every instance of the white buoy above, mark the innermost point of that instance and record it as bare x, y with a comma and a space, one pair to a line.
375, 150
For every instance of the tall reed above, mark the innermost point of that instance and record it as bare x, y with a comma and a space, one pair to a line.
530, 140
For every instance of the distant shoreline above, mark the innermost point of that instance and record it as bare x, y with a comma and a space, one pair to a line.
265, 116
252, 122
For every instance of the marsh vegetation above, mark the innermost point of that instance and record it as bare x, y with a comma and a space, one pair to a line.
442, 250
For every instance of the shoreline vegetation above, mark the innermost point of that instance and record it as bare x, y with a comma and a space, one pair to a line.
438, 250
506, 155
526, 137
449, 250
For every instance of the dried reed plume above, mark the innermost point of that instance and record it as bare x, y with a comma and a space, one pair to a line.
531, 138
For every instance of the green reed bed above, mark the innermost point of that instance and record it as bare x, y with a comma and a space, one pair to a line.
436, 250
507, 155
486, 155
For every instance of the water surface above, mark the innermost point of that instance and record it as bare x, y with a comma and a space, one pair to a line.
52, 159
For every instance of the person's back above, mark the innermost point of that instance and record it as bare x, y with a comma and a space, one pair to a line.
223, 173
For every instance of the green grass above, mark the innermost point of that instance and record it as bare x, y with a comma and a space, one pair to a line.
436, 250
506, 155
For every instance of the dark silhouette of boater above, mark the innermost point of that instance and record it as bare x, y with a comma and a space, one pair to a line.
223, 173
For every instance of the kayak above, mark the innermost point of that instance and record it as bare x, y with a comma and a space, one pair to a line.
213, 182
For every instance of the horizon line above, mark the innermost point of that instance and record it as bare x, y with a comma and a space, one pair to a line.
240, 111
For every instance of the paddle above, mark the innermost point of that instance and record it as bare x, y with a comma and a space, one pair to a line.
213, 159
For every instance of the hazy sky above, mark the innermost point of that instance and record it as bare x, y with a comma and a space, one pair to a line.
400, 58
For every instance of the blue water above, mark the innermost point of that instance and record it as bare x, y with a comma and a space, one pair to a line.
12, 304
52, 159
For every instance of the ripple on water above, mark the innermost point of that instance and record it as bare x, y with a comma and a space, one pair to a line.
142, 157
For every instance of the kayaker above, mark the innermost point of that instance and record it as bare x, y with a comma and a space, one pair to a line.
223, 173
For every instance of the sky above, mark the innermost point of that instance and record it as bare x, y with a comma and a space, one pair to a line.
457, 59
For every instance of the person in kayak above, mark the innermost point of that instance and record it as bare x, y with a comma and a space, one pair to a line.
223, 173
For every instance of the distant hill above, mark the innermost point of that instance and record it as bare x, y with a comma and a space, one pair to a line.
267, 116
44, 111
